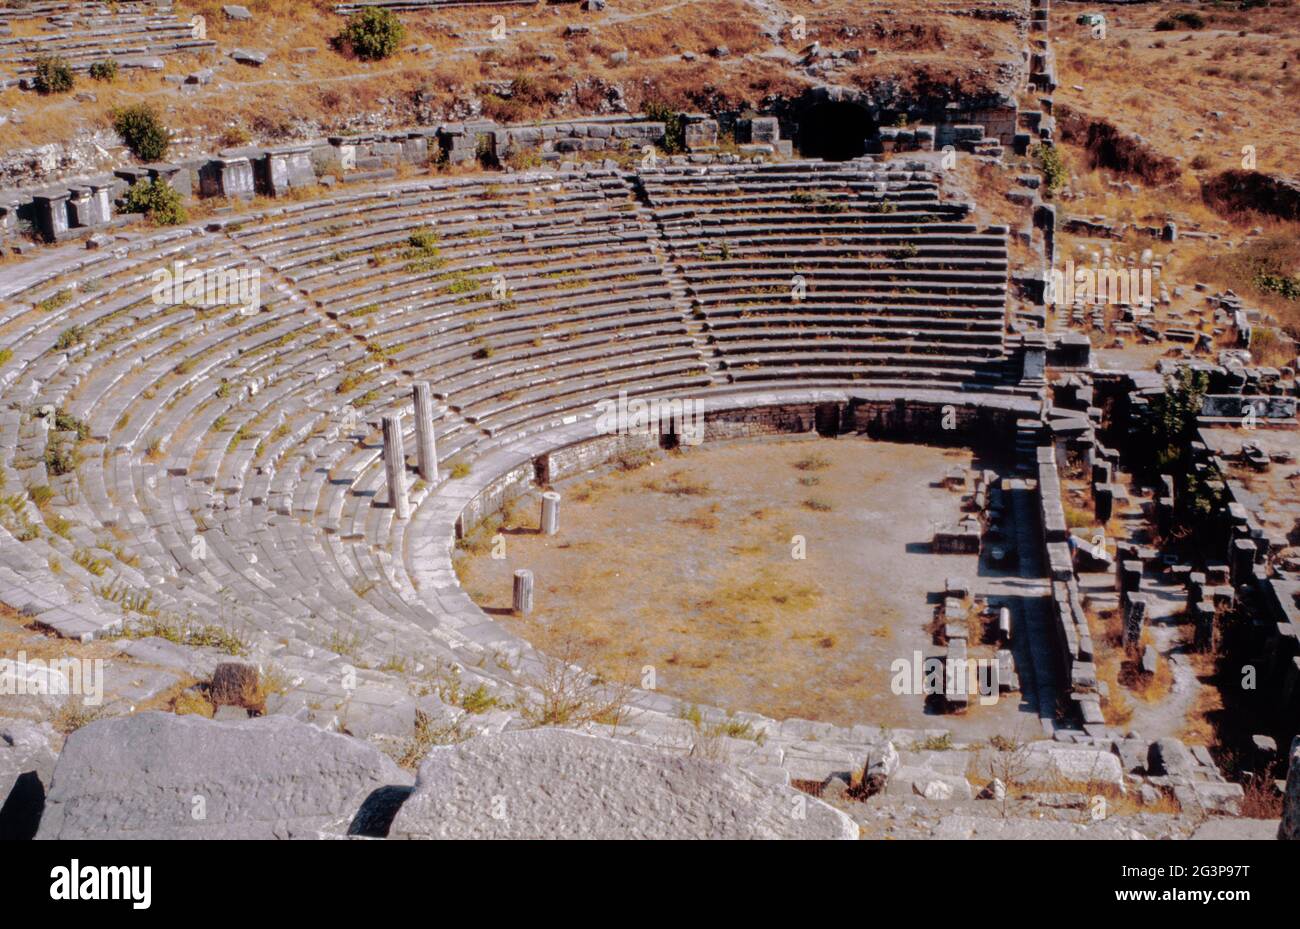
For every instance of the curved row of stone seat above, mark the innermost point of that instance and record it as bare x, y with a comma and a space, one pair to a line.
523, 298
262, 498
276, 483
212, 477
128, 490
81, 39
827, 272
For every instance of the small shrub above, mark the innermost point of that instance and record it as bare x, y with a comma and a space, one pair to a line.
157, 200
142, 130
935, 743
674, 126
69, 338
74, 714
105, 70
66, 422
192, 703
372, 34
40, 495
54, 302
234, 137
429, 731
53, 76
1049, 159
61, 458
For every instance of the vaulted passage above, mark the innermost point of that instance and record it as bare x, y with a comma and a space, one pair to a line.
835, 131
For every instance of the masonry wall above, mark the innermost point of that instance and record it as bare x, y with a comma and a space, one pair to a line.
492, 499
575, 459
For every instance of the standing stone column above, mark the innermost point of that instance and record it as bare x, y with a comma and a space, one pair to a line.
550, 513
395, 466
428, 463
523, 592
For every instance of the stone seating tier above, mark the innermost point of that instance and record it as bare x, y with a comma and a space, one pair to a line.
235, 461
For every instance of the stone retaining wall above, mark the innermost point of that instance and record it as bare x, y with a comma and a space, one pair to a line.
241, 173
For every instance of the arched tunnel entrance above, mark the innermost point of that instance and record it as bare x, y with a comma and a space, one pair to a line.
835, 131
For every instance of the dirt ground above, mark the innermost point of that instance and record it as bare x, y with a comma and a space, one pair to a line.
687, 565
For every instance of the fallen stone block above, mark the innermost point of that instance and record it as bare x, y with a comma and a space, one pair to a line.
1170, 757
155, 775
249, 57
554, 783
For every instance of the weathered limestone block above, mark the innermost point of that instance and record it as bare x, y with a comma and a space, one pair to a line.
155, 775
761, 130
52, 213
287, 167
1170, 757
555, 783
230, 177
702, 134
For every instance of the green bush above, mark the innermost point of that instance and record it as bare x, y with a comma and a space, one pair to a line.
674, 126
1054, 174
372, 34
157, 200
105, 70
142, 130
53, 76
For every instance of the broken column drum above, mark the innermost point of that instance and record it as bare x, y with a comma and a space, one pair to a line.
550, 513
523, 593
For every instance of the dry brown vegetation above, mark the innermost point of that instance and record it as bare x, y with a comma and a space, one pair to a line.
1223, 93
1166, 85
535, 71
696, 579
1108, 636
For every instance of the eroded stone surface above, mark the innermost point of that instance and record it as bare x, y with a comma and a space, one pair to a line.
155, 775
564, 784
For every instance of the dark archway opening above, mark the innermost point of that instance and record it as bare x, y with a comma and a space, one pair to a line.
835, 131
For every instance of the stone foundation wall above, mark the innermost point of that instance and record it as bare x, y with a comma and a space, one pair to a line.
903, 420
575, 459
971, 423
514, 483
760, 421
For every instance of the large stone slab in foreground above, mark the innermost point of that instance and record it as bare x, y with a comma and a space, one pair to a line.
155, 775
26, 766
552, 783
